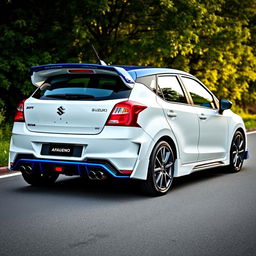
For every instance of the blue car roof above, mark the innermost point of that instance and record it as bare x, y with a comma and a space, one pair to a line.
139, 71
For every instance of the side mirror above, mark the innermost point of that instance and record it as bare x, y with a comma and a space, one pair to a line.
224, 105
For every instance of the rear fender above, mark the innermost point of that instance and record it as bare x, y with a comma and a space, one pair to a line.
142, 165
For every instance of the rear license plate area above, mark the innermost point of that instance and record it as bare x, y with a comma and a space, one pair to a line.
53, 149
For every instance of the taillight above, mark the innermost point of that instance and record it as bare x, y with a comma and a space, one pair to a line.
125, 114
19, 117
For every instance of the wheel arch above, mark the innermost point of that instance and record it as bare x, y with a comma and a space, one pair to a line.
236, 167
158, 182
141, 168
170, 141
242, 130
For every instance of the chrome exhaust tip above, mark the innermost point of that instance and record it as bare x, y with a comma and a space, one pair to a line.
25, 169
29, 169
92, 175
22, 168
100, 175
96, 175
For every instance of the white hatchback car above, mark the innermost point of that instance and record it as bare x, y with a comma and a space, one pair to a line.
97, 121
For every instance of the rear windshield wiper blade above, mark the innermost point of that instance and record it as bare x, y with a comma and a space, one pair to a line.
70, 96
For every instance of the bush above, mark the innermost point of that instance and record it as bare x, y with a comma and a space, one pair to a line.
5, 135
1, 117
249, 121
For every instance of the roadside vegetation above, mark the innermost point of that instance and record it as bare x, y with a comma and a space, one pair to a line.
249, 121
213, 40
4, 152
5, 135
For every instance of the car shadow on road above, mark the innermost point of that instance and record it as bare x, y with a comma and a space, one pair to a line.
115, 189
77, 187
199, 177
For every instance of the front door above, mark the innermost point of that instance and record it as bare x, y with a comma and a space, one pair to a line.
213, 125
181, 116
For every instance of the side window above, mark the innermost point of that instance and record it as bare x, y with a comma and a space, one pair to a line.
199, 94
171, 89
149, 81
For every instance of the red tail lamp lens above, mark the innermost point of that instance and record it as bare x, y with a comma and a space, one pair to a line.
125, 114
19, 116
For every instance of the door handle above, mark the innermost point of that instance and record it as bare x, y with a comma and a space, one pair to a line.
203, 117
171, 113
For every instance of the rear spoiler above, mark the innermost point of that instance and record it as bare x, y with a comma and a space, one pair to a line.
40, 73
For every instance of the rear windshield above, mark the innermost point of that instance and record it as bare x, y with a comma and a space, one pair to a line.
83, 87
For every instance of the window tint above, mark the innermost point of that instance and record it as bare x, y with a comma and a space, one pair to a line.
171, 89
199, 94
149, 81
83, 87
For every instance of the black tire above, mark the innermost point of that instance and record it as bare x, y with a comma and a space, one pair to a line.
160, 171
35, 178
49, 178
237, 152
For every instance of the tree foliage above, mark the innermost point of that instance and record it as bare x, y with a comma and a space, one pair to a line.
212, 39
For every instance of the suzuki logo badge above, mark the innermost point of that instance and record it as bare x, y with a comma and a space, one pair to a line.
60, 110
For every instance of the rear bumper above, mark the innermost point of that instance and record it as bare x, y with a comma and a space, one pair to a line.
125, 149
70, 167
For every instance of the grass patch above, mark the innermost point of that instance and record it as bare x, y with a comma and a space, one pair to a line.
250, 124
5, 135
4, 153
249, 121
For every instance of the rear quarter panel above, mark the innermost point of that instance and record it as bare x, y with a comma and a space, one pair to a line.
152, 120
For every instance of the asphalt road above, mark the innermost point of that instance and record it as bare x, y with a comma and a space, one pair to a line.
207, 213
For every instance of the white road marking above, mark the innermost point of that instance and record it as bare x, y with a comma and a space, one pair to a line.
9, 175
252, 132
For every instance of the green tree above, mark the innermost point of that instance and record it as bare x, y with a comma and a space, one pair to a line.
32, 33
213, 39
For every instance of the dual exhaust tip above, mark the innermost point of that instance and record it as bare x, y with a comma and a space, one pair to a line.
92, 174
26, 169
96, 175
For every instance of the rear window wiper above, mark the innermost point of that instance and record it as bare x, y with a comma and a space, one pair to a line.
70, 96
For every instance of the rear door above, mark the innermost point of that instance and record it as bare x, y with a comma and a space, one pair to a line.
74, 103
213, 126
181, 116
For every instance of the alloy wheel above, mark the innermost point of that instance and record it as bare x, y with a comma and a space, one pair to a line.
238, 151
163, 168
